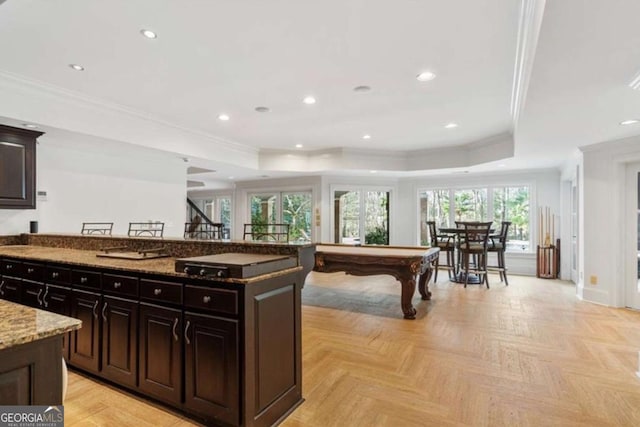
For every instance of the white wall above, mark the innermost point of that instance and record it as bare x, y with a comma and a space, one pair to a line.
91, 185
602, 230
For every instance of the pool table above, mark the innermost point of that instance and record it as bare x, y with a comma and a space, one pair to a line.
403, 263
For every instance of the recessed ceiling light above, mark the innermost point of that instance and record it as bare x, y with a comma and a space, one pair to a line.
373, 171
629, 122
299, 146
29, 125
148, 34
362, 88
451, 125
231, 177
425, 76
366, 136
262, 109
223, 117
77, 67
309, 100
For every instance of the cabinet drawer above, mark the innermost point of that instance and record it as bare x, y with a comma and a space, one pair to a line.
201, 297
9, 267
85, 279
156, 290
59, 275
32, 293
33, 272
10, 289
120, 285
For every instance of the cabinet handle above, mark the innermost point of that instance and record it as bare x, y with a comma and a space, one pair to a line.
175, 325
44, 297
55, 275
29, 270
157, 291
9, 266
38, 297
1, 286
95, 306
206, 299
186, 333
104, 316
83, 280
116, 285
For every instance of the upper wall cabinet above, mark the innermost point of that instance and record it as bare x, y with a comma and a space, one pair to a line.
17, 168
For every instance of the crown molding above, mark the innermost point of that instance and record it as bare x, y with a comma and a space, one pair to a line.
529, 23
93, 103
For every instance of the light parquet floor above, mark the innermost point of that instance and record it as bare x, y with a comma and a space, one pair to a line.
530, 354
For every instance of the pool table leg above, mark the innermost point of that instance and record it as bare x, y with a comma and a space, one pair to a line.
423, 284
408, 289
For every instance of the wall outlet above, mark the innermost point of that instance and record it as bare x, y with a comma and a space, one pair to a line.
593, 280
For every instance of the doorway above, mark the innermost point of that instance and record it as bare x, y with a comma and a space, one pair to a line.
632, 242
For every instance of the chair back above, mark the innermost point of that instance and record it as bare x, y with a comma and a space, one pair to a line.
475, 236
504, 231
433, 234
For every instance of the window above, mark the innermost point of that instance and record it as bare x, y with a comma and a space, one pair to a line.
492, 203
293, 208
360, 213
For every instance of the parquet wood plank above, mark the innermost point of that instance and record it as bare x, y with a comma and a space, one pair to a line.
529, 354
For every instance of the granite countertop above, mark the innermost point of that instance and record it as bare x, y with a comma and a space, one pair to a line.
20, 324
88, 258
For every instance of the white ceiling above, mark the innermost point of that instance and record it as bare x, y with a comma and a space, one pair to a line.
212, 57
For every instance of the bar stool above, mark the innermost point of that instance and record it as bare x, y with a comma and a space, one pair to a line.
446, 244
473, 243
498, 244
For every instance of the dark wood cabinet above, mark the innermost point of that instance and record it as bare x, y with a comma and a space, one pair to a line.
32, 293
85, 342
17, 168
120, 340
160, 349
57, 299
212, 367
10, 289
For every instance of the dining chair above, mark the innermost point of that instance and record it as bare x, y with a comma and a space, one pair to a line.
498, 245
472, 247
446, 243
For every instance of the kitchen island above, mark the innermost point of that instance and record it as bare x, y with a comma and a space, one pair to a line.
31, 354
223, 351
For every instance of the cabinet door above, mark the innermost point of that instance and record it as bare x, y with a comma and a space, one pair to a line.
57, 299
161, 352
85, 342
10, 289
119, 340
17, 168
212, 367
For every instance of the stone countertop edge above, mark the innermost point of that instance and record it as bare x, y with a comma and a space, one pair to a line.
87, 258
20, 324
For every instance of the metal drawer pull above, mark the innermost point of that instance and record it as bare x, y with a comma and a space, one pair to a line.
157, 291
175, 325
44, 297
55, 274
1, 286
104, 307
83, 280
95, 306
29, 270
9, 266
116, 285
38, 297
186, 333
206, 299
